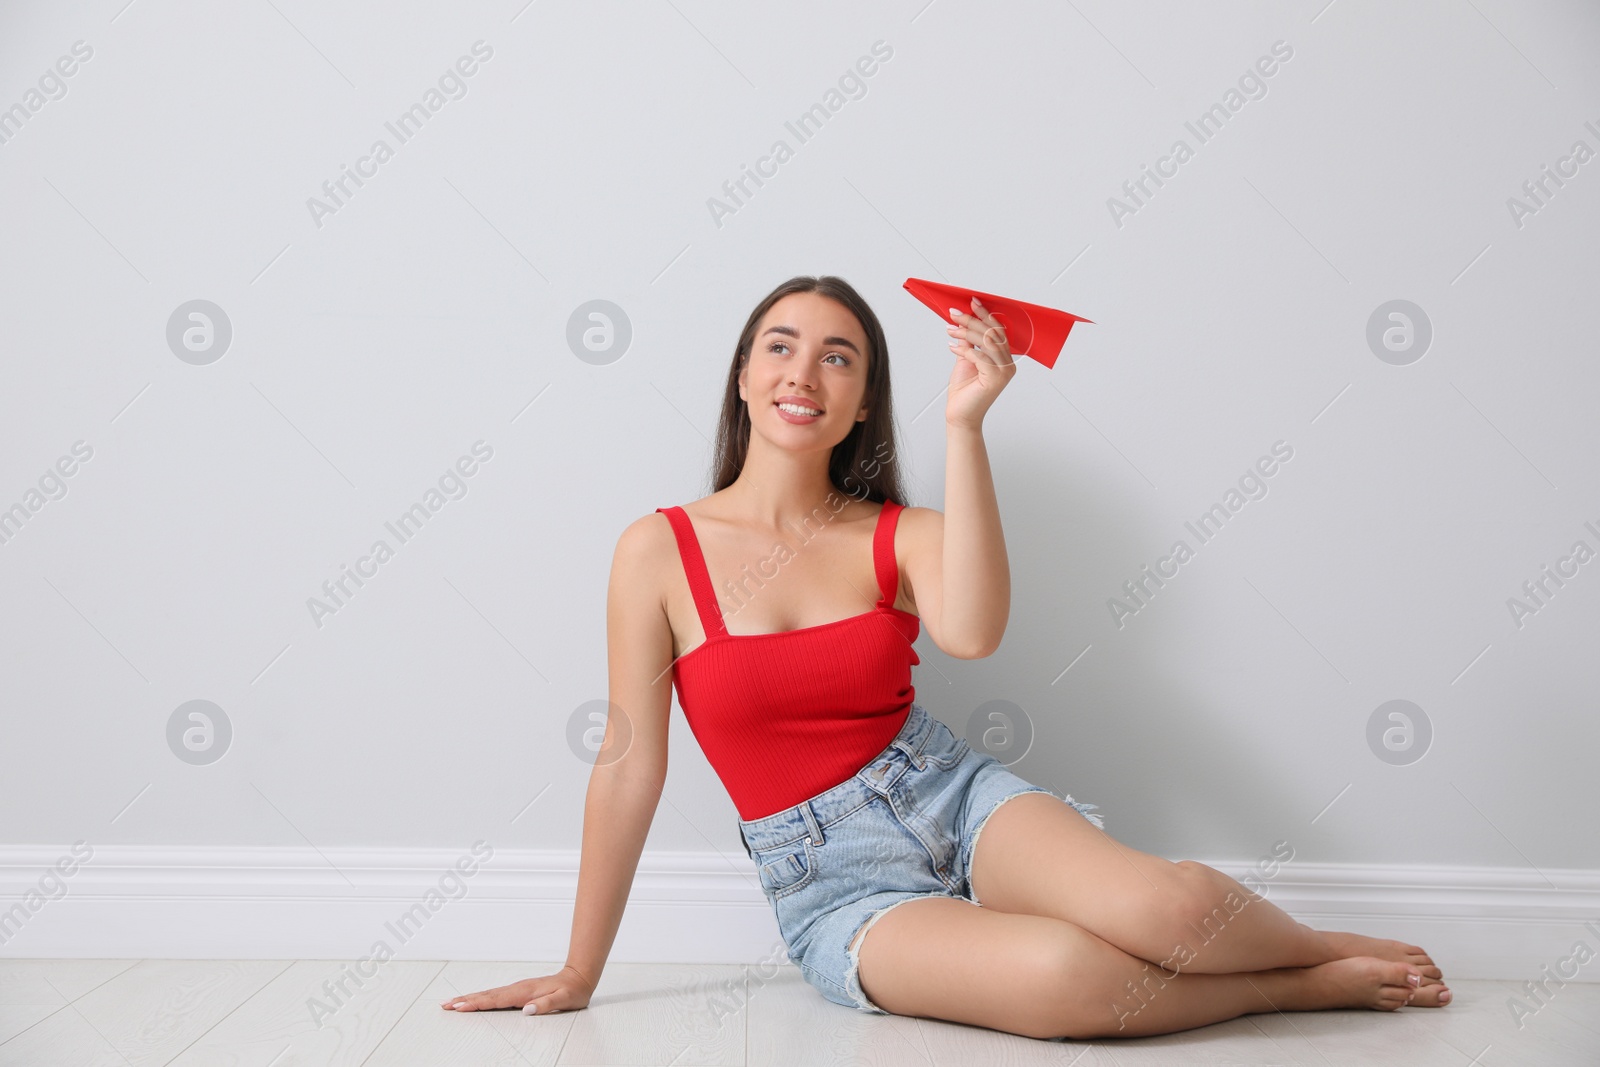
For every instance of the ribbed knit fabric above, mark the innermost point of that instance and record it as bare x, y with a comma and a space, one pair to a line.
784, 716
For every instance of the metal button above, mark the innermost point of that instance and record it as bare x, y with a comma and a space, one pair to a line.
879, 773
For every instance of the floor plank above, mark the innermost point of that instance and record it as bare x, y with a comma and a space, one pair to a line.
148, 1013
305, 1017
31, 990
431, 1034
661, 1013
1479, 1022
791, 1025
276, 1013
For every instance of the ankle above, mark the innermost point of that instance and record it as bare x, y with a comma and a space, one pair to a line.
1327, 946
1288, 989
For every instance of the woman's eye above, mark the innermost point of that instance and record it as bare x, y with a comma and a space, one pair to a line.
774, 346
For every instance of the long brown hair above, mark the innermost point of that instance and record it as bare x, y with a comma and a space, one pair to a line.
864, 465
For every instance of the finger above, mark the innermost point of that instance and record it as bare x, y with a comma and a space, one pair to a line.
965, 351
995, 332
485, 1000
541, 1005
978, 353
982, 312
981, 336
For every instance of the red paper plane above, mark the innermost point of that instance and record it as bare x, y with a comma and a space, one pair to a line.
1031, 330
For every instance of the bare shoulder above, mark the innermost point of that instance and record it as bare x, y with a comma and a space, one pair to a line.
919, 526
644, 545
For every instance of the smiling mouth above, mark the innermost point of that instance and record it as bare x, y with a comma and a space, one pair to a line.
798, 409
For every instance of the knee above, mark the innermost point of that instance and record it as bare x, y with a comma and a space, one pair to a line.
1072, 993
1195, 903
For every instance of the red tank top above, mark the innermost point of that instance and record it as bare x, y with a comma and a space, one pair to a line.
784, 716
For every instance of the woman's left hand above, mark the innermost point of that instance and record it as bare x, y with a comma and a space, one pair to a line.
984, 366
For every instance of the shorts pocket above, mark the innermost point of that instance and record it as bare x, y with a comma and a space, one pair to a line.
791, 868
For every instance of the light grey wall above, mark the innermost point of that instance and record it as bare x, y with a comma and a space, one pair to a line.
373, 346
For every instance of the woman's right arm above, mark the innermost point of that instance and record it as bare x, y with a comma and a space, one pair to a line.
626, 780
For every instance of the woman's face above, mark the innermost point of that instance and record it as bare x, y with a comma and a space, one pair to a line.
809, 352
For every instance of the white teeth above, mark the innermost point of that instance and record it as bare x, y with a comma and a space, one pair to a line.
796, 409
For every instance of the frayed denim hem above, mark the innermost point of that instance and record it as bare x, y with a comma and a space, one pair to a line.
852, 978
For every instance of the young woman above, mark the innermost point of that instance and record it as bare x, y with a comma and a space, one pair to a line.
783, 607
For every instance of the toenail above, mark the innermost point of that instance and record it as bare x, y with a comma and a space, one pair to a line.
1444, 998
1414, 979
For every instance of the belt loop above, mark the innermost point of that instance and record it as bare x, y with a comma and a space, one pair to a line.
913, 752
811, 821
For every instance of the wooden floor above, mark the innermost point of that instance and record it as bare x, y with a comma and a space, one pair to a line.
264, 1012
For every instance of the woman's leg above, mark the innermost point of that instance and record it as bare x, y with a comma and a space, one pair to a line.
945, 958
1038, 855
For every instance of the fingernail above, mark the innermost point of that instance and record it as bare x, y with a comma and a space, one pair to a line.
1414, 979
956, 313
459, 1004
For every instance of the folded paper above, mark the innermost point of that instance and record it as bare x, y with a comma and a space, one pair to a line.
1031, 330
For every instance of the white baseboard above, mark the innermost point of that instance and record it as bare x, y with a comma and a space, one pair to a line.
704, 907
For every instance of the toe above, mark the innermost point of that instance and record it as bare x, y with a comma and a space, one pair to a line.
1430, 996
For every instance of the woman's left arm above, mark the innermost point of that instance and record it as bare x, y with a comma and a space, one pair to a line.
975, 574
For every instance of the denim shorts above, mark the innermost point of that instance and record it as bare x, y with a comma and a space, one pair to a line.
902, 828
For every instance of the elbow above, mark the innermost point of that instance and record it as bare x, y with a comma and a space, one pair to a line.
989, 646
976, 651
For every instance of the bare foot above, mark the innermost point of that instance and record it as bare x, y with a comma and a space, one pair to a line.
1431, 994
1348, 945
1365, 982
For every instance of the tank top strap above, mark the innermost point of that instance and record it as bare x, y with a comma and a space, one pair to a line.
694, 565
883, 553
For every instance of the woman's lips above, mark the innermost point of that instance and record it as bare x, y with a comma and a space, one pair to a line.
800, 420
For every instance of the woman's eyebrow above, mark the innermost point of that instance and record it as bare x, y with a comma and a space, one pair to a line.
790, 331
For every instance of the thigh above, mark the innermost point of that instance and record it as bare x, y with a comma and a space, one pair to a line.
947, 958
1038, 855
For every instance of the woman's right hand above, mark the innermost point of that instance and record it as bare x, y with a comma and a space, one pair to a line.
566, 990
